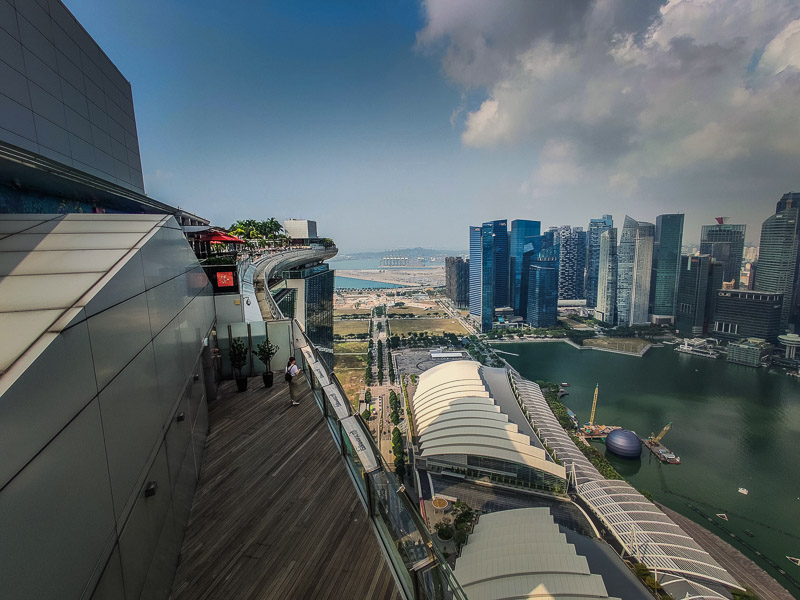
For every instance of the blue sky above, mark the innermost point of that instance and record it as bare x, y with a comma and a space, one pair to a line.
399, 124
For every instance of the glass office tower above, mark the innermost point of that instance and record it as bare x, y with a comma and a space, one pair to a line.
596, 229
542, 310
666, 258
488, 275
778, 262
572, 262
522, 233
699, 277
724, 243
475, 271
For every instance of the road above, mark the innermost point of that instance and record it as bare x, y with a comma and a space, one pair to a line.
454, 313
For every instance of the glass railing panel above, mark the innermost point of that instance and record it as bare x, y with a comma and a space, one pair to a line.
258, 334
280, 334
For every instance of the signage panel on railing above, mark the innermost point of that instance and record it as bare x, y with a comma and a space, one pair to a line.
338, 403
356, 434
315, 366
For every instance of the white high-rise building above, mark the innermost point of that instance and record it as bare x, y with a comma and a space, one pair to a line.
607, 277
635, 260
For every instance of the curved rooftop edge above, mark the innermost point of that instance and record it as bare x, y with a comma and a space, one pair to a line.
642, 530
456, 413
260, 307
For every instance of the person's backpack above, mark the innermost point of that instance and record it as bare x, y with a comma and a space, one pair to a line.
287, 376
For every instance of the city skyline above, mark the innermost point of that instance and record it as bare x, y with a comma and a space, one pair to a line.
413, 105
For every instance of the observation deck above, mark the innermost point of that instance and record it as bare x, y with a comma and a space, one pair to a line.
275, 514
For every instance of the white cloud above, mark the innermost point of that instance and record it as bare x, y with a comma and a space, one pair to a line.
630, 91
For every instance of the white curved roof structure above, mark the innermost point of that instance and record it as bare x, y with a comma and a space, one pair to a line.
643, 530
522, 554
455, 413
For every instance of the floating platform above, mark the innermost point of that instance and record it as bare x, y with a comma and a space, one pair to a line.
662, 453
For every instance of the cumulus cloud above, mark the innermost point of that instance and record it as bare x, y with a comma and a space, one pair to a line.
626, 92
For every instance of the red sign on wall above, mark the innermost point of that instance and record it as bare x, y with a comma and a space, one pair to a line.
224, 279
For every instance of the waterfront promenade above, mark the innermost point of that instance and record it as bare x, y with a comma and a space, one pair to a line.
741, 567
569, 342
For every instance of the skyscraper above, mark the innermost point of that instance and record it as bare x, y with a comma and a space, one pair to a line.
778, 262
488, 279
596, 229
606, 309
572, 262
724, 243
522, 233
666, 258
698, 279
475, 271
456, 274
542, 310
635, 259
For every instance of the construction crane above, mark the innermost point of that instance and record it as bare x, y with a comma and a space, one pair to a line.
655, 439
594, 405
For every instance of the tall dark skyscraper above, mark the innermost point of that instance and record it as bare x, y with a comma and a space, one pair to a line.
666, 257
724, 243
606, 309
475, 271
572, 262
542, 310
596, 229
456, 275
488, 285
699, 277
778, 260
522, 232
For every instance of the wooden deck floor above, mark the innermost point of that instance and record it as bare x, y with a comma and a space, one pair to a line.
275, 514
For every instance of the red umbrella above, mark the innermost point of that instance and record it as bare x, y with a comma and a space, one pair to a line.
220, 236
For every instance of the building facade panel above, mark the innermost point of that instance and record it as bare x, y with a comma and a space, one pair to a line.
55, 49
65, 489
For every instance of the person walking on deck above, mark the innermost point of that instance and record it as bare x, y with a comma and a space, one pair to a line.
292, 375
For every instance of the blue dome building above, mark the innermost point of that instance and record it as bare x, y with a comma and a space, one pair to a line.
624, 443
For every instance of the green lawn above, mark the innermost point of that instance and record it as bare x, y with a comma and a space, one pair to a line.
349, 326
350, 347
349, 361
432, 326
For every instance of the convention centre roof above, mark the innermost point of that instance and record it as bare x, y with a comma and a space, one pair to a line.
457, 412
522, 554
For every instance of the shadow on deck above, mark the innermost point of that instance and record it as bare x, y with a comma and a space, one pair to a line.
275, 514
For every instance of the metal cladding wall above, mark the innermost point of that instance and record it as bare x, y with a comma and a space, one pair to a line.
114, 408
61, 97
624, 443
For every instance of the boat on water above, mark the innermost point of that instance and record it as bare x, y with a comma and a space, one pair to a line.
564, 384
722, 516
749, 533
744, 491
794, 560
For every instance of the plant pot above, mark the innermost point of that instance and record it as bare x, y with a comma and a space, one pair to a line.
241, 383
268, 378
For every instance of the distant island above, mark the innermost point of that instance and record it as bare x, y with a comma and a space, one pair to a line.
409, 252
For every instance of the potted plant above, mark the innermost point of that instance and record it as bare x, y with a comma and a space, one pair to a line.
265, 351
238, 356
